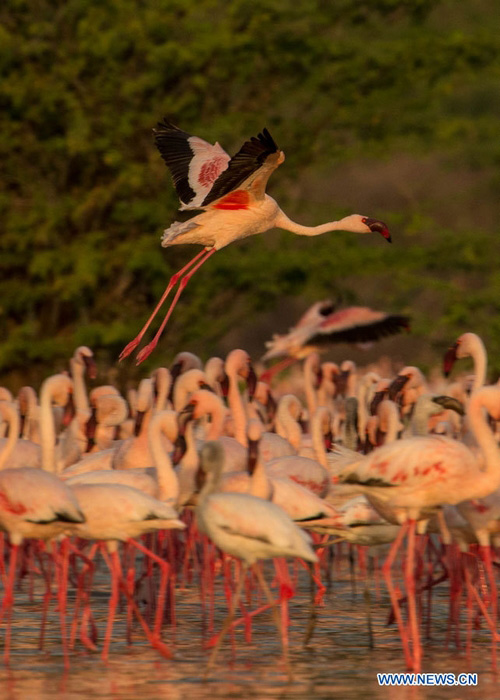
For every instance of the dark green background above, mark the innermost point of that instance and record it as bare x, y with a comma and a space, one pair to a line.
385, 108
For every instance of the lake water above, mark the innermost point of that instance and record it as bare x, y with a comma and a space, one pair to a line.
337, 664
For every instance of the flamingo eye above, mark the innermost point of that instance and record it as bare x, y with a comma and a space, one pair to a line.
363, 220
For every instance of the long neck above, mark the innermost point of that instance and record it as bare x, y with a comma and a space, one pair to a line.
317, 435
79, 388
389, 420
168, 484
12, 417
47, 428
237, 407
346, 224
310, 391
216, 422
480, 359
489, 479
290, 427
260, 485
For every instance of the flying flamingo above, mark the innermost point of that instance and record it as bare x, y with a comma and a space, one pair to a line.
231, 191
323, 324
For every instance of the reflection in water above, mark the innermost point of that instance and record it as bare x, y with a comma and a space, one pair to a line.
338, 663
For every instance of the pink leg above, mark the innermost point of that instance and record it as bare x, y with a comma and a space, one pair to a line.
160, 606
412, 603
8, 599
62, 592
227, 623
269, 374
148, 349
81, 594
485, 553
115, 569
386, 570
173, 281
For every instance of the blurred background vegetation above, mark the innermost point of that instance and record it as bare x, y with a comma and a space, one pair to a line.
387, 108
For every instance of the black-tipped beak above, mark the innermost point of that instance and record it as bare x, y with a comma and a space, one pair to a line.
328, 440
224, 385
251, 381
450, 402
340, 381
184, 417
139, 417
271, 407
396, 386
253, 454
319, 377
90, 428
207, 387
200, 479
90, 366
377, 399
179, 449
449, 359
377, 226
175, 371
69, 411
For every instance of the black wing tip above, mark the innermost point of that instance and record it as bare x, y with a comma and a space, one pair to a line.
364, 333
267, 140
165, 125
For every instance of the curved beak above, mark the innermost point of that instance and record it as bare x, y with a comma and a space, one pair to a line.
396, 385
207, 387
340, 381
179, 449
377, 226
271, 407
450, 402
185, 416
253, 455
378, 397
449, 359
251, 381
91, 366
224, 385
69, 411
90, 427
319, 377
175, 371
138, 422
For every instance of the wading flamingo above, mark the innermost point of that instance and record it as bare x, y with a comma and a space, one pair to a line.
248, 528
408, 480
231, 191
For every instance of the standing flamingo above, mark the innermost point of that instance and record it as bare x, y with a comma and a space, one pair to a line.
408, 480
247, 527
232, 193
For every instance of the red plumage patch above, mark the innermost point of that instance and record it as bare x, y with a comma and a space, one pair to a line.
238, 199
9, 507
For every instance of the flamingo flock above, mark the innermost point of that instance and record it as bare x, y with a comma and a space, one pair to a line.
208, 475
205, 472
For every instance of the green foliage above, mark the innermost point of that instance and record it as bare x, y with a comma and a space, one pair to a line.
84, 195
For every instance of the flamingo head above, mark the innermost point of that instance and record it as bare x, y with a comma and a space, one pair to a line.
375, 225
90, 428
397, 385
450, 358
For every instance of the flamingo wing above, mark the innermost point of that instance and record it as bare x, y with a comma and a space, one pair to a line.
194, 163
357, 324
249, 169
